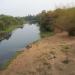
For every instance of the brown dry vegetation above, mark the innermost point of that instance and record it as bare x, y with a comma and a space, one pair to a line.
53, 55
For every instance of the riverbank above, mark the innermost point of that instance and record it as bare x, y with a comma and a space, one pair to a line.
9, 29
5, 65
9, 46
7, 32
54, 55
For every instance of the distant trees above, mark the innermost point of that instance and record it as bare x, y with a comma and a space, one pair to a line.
1, 25
62, 18
30, 19
7, 21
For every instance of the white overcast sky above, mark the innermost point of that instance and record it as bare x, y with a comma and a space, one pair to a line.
25, 7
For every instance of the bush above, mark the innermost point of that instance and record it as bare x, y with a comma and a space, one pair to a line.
66, 20
63, 18
45, 21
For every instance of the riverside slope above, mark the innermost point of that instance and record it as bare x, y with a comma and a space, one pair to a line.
46, 57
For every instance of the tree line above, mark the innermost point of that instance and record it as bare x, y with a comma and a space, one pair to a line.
8, 21
63, 18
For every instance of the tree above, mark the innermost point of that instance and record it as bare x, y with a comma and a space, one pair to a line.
45, 21
8, 21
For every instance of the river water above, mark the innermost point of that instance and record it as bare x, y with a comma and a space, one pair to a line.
20, 38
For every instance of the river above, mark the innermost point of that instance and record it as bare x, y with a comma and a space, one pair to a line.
19, 38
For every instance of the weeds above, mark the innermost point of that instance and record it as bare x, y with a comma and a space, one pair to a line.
65, 49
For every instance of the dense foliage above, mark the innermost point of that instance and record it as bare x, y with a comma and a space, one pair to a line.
62, 18
66, 19
45, 20
8, 21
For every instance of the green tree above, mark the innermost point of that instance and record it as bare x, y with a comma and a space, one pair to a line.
45, 21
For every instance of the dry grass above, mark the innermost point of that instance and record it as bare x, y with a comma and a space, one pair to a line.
46, 57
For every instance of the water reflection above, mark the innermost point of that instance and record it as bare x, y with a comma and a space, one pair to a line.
19, 38
5, 35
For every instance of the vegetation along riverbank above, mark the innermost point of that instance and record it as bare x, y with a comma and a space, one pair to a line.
53, 54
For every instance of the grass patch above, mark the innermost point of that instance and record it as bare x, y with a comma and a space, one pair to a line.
65, 50
9, 29
8, 62
46, 34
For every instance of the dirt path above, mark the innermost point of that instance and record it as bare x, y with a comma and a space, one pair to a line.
46, 57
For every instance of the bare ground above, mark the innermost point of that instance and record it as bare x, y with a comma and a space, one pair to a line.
53, 55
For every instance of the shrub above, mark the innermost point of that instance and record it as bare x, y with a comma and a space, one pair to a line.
66, 20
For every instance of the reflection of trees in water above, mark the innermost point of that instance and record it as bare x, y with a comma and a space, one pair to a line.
4, 35
7, 35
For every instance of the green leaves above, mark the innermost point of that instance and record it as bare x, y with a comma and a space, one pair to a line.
8, 21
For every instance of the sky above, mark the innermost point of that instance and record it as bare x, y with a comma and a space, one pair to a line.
33, 7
